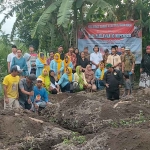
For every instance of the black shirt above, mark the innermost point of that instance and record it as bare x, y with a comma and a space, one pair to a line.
114, 79
62, 56
83, 63
145, 63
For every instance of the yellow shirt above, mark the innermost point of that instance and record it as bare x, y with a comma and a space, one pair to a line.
12, 85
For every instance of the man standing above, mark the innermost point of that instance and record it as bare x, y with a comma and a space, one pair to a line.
51, 57
26, 91
72, 56
11, 56
112, 81
61, 52
105, 56
33, 59
10, 86
86, 53
128, 64
121, 56
95, 58
114, 58
117, 51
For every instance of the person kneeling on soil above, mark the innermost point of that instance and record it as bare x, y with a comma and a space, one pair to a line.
112, 80
26, 91
79, 77
54, 87
90, 78
66, 80
99, 75
40, 95
10, 86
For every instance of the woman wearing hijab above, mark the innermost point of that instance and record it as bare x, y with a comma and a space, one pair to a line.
66, 80
45, 77
90, 78
99, 75
21, 62
145, 69
27, 58
56, 66
54, 87
67, 63
80, 78
40, 64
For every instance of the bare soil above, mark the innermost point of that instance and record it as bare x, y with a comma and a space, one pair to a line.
80, 121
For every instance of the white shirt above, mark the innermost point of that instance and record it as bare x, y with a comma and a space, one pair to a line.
96, 58
10, 58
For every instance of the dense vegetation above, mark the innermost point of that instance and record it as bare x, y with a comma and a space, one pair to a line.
49, 23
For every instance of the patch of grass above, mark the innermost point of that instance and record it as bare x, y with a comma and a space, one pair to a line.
75, 139
128, 122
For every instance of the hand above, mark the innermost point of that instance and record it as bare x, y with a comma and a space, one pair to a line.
132, 71
6, 100
122, 70
29, 101
107, 85
36, 106
31, 93
141, 70
58, 71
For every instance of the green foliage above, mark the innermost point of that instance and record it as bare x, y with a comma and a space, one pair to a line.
75, 139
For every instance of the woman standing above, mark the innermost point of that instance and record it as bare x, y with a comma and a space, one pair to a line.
66, 80
145, 69
40, 64
99, 75
67, 63
80, 78
56, 66
83, 62
27, 58
90, 78
77, 56
21, 62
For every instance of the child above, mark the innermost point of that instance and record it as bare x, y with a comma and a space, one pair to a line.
128, 86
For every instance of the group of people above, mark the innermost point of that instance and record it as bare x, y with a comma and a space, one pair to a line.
32, 77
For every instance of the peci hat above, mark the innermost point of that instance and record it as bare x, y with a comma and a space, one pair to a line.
127, 49
108, 66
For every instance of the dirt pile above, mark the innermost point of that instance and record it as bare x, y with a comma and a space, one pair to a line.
80, 121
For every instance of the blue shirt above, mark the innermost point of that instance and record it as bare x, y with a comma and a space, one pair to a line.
70, 65
54, 66
42, 92
21, 63
98, 73
39, 67
64, 80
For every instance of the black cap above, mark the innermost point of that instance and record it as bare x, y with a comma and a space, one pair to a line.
32, 77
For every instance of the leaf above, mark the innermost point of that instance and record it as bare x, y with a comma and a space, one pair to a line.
64, 13
44, 18
79, 3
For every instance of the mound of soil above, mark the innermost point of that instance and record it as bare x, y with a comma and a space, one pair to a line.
80, 121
